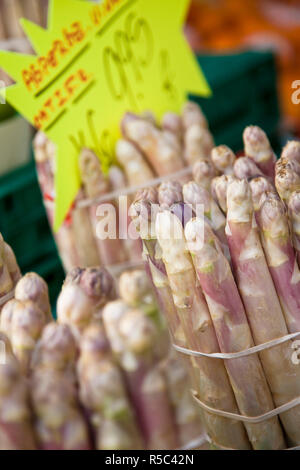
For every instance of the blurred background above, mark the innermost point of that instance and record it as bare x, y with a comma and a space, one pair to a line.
250, 53
226, 26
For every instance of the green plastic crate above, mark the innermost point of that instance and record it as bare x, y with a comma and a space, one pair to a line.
19, 194
244, 92
23, 221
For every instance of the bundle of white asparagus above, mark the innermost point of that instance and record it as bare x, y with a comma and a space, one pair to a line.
100, 377
146, 151
223, 254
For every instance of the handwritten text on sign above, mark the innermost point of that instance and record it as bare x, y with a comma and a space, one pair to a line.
96, 62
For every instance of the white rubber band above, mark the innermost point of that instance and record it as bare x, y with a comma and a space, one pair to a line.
210, 441
236, 355
195, 443
116, 269
247, 419
126, 191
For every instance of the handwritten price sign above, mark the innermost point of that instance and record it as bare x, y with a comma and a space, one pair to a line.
95, 62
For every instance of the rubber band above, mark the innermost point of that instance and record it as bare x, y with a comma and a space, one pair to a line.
84, 203
195, 443
236, 355
7, 297
247, 419
210, 441
119, 268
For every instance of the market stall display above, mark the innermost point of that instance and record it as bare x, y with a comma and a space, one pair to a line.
146, 153
74, 378
239, 282
172, 196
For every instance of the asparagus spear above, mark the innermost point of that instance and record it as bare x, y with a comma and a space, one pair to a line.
262, 306
103, 394
44, 12
7, 316
292, 151
95, 185
31, 10
137, 291
136, 168
143, 216
213, 189
259, 186
15, 425
173, 140
294, 217
148, 194
96, 283
257, 147
27, 324
117, 178
6, 281
233, 332
70, 247
44, 163
11, 263
84, 294
173, 123
149, 116
246, 168
55, 350
220, 184
287, 178
198, 141
212, 381
44, 152
144, 219
32, 287
66, 242
192, 114
12, 15
173, 129
203, 173
2, 27
170, 196
198, 144
281, 258
188, 417
163, 157
59, 424
223, 158
169, 193
74, 308
83, 233
132, 244
194, 195
133, 335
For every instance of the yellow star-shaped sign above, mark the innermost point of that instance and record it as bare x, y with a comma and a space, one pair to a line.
95, 62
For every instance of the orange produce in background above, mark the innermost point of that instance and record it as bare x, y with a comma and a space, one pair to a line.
233, 25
